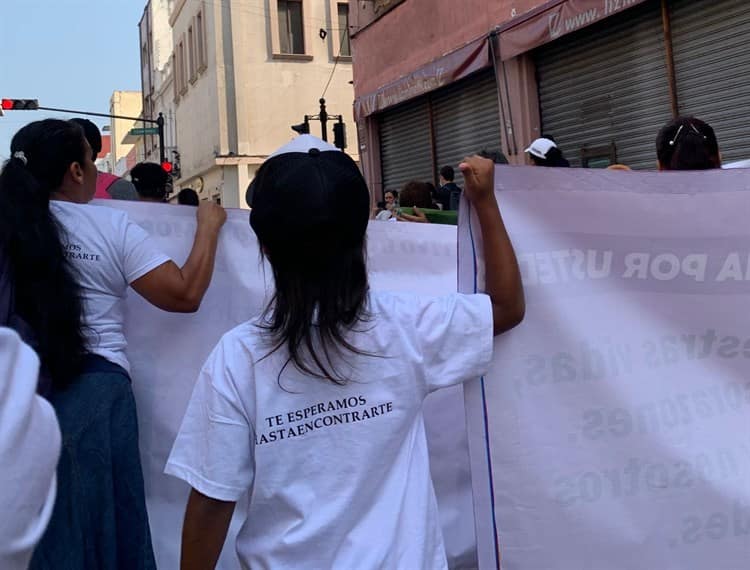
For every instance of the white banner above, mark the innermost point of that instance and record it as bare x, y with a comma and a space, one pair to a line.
167, 350
615, 422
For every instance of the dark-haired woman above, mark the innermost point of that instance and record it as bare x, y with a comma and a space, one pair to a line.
687, 143
71, 266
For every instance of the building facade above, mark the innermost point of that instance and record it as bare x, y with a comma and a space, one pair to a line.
157, 78
244, 73
103, 160
435, 79
124, 104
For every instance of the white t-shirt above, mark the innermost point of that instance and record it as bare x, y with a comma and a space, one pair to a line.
109, 252
29, 450
338, 475
384, 216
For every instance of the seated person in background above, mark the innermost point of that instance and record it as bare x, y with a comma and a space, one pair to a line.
687, 143
29, 450
391, 199
449, 192
151, 182
544, 152
381, 213
415, 195
188, 197
390, 207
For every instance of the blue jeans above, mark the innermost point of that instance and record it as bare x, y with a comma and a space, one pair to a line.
99, 521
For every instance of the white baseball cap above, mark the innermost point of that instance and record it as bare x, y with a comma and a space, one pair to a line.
540, 147
304, 143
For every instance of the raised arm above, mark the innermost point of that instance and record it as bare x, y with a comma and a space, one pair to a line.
181, 289
503, 279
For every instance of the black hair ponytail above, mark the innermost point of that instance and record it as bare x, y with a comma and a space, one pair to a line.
47, 296
687, 143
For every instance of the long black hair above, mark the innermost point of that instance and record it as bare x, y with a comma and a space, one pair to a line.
47, 296
687, 143
310, 214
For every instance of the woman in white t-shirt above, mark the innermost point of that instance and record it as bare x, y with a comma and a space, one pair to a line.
71, 265
315, 408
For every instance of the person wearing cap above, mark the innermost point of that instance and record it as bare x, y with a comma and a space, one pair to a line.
312, 409
545, 152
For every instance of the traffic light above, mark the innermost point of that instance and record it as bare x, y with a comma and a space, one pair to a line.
302, 128
339, 135
167, 167
19, 104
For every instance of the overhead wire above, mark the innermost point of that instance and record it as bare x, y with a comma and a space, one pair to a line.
337, 57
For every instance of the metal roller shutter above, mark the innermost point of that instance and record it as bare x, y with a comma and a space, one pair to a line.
607, 83
405, 148
466, 120
712, 65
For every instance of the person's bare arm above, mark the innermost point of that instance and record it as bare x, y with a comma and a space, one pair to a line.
204, 531
419, 216
503, 278
181, 289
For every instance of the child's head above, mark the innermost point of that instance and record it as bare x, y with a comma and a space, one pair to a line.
310, 208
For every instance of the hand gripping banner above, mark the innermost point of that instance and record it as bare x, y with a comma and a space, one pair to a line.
613, 430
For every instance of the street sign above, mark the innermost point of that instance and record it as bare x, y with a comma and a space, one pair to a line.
144, 131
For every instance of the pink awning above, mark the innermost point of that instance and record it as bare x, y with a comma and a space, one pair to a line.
554, 20
454, 66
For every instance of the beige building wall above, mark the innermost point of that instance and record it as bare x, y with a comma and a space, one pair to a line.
240, 108
128, 104
197, 108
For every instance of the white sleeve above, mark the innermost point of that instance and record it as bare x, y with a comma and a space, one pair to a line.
454, 334
214, 449
139, 254
29, 450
